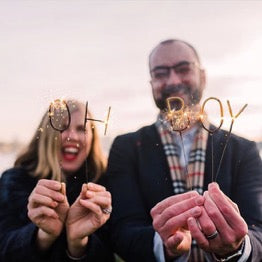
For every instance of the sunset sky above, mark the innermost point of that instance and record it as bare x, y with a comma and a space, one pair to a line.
98, 51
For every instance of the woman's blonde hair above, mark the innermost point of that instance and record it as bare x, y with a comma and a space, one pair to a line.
40, 157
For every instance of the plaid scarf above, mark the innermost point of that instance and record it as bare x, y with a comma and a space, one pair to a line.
186, 178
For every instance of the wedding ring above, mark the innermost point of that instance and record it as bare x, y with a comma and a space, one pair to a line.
107, 210
212, 236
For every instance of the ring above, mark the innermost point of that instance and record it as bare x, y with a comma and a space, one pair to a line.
212, 236
107, 210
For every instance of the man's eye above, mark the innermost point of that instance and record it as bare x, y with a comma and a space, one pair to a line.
160, 74
183, 70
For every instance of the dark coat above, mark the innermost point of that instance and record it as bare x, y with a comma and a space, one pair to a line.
18, 233
138, 178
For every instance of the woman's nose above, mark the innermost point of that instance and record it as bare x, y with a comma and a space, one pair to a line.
71, 134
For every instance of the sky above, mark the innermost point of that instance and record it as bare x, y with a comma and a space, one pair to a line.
98, 51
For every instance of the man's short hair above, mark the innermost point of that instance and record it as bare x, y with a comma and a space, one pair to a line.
170, 41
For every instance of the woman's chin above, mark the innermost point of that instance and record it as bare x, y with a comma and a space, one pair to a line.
69, 170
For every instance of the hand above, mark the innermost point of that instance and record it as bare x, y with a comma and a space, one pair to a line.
220, 214
47, 209
86, 216
170, 221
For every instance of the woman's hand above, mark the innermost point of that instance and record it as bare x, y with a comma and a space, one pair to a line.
88, 213
47, 209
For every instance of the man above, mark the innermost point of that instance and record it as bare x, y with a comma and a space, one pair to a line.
151, 173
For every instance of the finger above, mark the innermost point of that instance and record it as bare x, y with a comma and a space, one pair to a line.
95, 187
161, 206
214, 189
179, 243
55, 195
205, 224
173, 242
91, 206
226, 207
216, 216
51, 184
63, 188
37, 199
179, 221
196, 233
102, 201
42, 211
83, 191
90, 194
178, 208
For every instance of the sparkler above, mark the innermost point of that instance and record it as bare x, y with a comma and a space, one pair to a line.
177, 117
58, 112
97, 120
229, 132
212, 131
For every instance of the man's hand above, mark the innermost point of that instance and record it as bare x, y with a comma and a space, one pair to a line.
222, 215
47, 209
170, 221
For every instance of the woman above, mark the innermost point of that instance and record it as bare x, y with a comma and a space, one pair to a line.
41, 219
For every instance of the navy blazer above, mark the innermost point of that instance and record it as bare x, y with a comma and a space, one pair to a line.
138, 177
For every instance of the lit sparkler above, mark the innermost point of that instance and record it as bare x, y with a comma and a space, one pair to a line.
60, 120
180, 119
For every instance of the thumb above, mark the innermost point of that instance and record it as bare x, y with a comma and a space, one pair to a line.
63, 191
83, 191
63, 188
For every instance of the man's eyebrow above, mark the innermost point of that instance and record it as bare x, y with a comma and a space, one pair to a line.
184, 62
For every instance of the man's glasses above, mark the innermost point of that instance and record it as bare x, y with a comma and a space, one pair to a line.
182, 69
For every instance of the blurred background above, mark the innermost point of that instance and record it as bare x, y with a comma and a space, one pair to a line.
98, 51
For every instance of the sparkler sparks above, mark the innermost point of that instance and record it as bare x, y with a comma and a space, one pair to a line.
181, 117
60, 120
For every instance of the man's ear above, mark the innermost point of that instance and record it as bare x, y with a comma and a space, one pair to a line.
150, 81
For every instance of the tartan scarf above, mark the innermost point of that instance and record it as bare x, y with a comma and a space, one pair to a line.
186, 178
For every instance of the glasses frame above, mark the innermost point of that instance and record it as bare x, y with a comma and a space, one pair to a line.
174, 67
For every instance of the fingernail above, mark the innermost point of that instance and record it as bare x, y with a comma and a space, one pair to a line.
89, 193
61, 197
90, 185
196, 211
213, 185
199, 200
58, 185
190, 221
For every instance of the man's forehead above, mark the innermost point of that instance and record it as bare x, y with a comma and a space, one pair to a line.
171, 53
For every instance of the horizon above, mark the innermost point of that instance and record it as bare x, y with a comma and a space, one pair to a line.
98, 51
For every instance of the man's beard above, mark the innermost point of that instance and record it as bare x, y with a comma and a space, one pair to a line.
194, 96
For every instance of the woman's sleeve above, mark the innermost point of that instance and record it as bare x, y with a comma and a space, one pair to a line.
17, 232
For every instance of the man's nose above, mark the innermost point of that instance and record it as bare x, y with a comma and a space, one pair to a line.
174, 78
